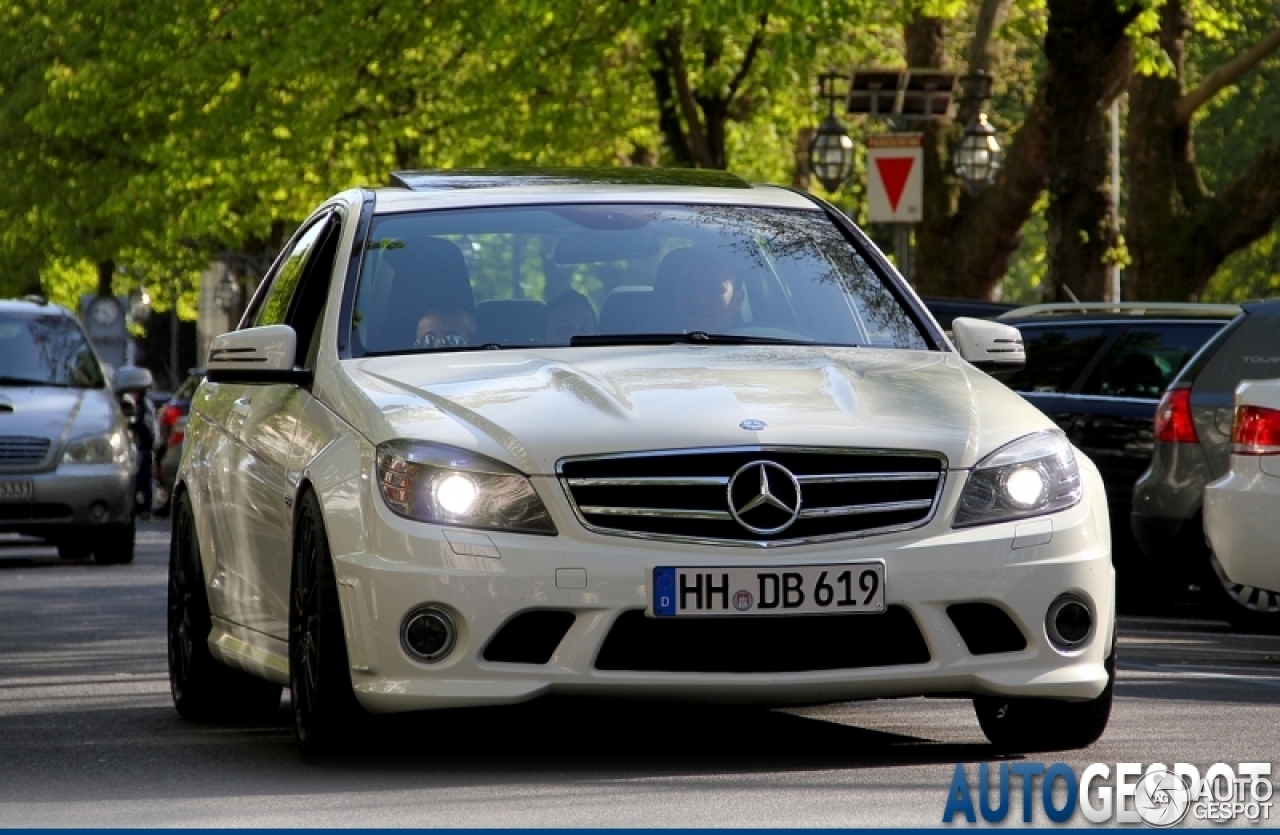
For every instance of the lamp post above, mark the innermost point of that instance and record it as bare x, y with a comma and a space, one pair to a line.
831, 152
978, 158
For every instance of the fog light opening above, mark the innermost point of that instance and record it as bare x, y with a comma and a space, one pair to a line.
99, 512
1069, 622
427, 634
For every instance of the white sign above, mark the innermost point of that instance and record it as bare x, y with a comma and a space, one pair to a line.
895, 177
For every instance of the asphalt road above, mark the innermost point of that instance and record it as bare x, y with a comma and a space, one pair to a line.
88, 736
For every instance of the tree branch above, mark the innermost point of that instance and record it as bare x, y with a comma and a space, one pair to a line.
1242, 213
673, 55
753, 48
1226, 75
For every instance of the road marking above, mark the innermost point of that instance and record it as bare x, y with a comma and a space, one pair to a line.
1146, 668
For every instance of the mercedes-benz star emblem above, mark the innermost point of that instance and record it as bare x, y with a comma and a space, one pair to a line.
753, 425
768, 493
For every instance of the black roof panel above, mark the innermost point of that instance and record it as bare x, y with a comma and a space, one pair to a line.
460, 178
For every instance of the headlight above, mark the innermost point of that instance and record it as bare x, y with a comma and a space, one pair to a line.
1029, 477
450, 486
112, 447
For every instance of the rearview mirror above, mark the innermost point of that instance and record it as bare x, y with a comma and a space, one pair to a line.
990, 346
260, 355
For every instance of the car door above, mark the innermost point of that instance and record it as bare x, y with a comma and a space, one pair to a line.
1059, 354
1120, 396
265, 416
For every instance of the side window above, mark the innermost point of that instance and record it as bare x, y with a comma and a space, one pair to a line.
1146, 359
275, 305
1056, 356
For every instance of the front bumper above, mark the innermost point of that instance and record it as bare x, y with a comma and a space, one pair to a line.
79, 495
406, 564
1239, 513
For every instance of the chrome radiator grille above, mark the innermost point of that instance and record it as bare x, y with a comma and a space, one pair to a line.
754, 495
22, 450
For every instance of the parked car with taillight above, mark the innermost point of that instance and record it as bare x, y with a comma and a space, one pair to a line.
172, 421
1240, 509
1193, 429
1097, 369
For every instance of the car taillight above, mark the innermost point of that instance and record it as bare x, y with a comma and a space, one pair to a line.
170, 415
1256, 431
179, 430
1173, 418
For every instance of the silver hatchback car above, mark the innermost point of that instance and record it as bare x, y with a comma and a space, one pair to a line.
66, 457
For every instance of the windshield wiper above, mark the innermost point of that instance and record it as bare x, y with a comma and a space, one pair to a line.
27, 381
690, 338
442, 349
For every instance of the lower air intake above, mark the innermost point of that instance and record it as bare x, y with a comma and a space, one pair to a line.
529, 638
779, 644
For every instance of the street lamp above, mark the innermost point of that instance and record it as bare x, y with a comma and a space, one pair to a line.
139, 305
831, 151
979, 157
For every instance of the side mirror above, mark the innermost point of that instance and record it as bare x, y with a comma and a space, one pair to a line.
133, 378
990, 346
262, 355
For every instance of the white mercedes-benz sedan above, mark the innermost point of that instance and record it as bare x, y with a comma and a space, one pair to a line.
486, 436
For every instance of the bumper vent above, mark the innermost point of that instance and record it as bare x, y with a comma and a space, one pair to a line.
986, 629
22, 450
779, 644
756, 495
529, 638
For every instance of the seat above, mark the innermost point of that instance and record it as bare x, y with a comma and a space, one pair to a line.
510, 321
627, 309
429, 275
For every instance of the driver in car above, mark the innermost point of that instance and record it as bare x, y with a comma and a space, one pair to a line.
709, 296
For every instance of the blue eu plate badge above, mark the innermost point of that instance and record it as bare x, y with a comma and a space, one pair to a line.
664, 591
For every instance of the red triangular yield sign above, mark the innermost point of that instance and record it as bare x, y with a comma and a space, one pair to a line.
893, 173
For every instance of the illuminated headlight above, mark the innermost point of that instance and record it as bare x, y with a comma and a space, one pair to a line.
112, 447
450, 486
1029, 477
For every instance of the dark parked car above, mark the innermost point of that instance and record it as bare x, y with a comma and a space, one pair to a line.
1098, 370
946, 309
1192, 448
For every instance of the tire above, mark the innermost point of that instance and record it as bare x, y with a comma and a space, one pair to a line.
74, 548
326, 714
201, 686
1025, 725
1247, 608
114, 546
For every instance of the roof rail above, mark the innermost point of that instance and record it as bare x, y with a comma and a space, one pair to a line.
459, 178
35, 298
1135, 309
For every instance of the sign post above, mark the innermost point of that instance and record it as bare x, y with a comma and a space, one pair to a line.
895, 188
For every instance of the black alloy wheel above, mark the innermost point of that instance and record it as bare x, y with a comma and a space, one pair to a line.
1026, 725
326, 714
201, 686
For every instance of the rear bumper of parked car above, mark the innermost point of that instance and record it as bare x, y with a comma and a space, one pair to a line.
75, 495
608, 646
1239, 520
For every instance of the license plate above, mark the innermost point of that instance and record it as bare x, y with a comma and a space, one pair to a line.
16, 491
845, 588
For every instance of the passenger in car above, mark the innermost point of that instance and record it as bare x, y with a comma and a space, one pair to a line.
569, 314
446, 328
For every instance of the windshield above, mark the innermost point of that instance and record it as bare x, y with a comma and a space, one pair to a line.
46, 350
571, 275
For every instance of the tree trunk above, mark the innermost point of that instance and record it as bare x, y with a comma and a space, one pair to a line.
1089, 57
933, 275
1179, 234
